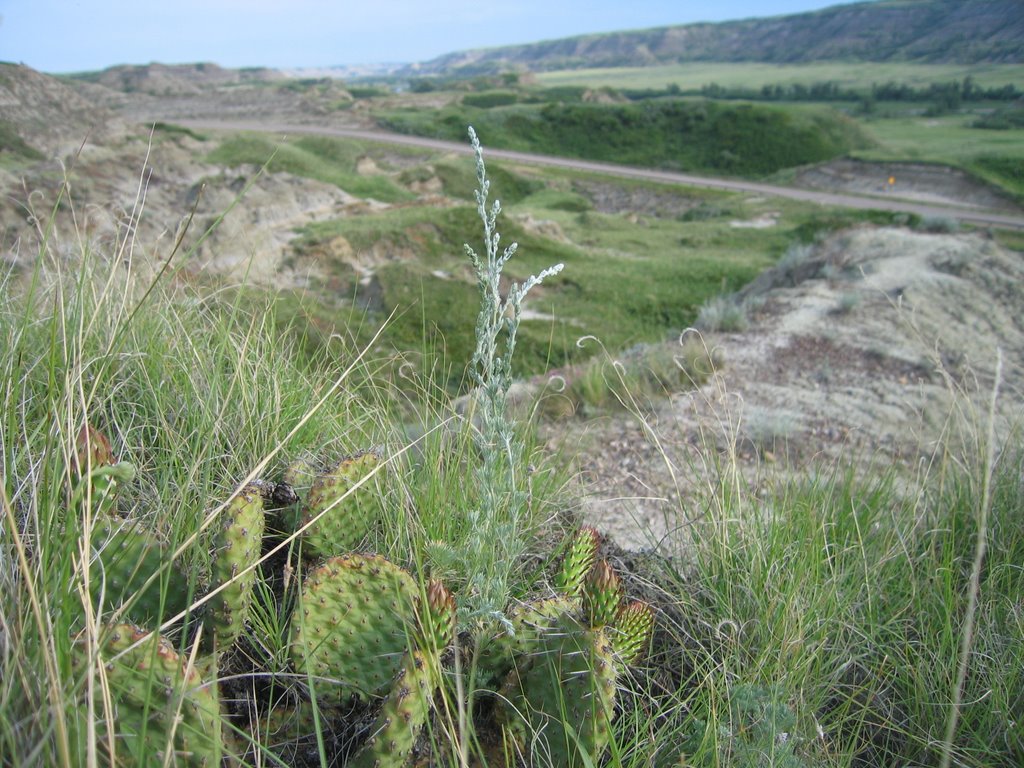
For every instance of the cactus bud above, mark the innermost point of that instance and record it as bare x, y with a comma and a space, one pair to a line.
633, 627
602, 592
92, 450
439, 616
578, 561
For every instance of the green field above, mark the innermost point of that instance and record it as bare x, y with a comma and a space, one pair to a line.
719, 132
852, 75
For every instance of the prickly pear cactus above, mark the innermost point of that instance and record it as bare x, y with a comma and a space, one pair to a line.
126, 555
338, 522
159, 702
236, 548
560, 699
355, 618
564, 658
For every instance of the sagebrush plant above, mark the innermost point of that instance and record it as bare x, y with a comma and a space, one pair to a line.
496, 538
723, 313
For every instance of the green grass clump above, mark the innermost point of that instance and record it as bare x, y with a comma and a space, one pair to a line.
845, 604
723, 313
489, 99
744, 140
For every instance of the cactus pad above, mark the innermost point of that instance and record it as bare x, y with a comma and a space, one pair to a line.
403, 715
632, 632
561, 697
159, 703
355, 618
236, 548
338, 518
125, 556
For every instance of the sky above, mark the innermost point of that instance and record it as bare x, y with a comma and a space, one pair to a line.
73, 36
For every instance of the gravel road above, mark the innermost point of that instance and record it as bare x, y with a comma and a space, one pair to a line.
965, 213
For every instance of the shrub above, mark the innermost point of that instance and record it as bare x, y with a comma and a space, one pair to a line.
939, 225
722, 313
490, 99
497, 539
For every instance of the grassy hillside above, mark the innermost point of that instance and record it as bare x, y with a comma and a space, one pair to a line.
743, 140
311, 157
639, 262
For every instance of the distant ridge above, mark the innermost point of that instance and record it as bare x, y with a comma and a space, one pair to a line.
932, 31
174, 79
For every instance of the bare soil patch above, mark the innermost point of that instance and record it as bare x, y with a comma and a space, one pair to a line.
884, 351
909, 181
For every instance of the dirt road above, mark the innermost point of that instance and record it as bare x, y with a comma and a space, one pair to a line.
965, 213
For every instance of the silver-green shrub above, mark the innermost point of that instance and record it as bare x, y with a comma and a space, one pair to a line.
496, 538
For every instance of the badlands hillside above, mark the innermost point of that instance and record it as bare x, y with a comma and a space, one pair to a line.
879, 343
